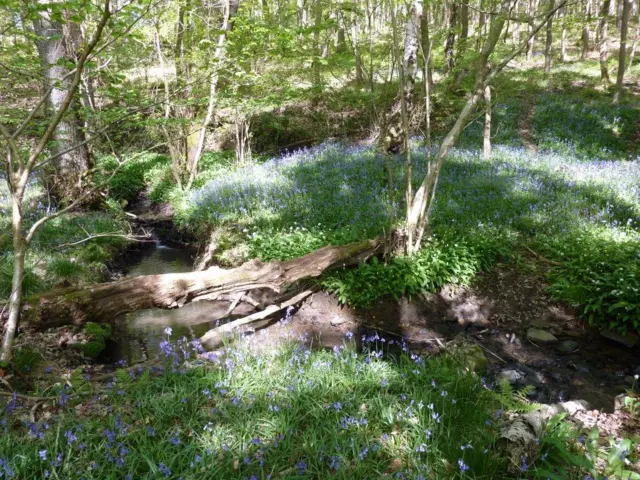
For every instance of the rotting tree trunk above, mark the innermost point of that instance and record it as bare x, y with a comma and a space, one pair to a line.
104, 302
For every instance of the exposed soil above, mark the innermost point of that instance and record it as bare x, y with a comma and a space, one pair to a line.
495, 312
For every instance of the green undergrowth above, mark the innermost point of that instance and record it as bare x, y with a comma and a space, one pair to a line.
439, 263
288, 412
583, 214
61, 252
574, 200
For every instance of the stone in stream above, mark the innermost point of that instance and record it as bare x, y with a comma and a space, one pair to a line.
511, 375
629, 340
567, 346
538, 336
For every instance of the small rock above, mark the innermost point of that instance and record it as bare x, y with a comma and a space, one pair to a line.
619, 402
567, 346
337, 320
629, 340
538, 336
510, 375
541, 323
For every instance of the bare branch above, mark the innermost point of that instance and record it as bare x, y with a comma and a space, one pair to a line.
498, 68
133, 238
34, 228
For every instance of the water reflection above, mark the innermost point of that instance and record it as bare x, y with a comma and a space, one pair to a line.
142, 331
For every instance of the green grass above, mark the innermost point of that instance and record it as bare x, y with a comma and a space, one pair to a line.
288, 412
51, 259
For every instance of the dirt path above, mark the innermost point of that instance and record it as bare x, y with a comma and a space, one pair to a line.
525, 126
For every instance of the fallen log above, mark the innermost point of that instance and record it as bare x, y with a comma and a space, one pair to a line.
213, 338
106, 301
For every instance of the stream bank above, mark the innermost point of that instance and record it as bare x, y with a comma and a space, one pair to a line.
497, 313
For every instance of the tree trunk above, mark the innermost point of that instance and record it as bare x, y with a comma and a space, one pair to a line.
104, 302
563, 42
355, 41
451, 38
516, 26
15, 300
55, 47
604, 46
622, 54
228, 14
425, 46
422, 202
547, 47
317, 51
533, 8
585, 31
486, 147
634, 46
409, 64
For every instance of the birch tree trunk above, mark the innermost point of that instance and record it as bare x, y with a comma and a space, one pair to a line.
585, 31
548, 46
533, 8
230, 8
486, 144
423, 200
563, 39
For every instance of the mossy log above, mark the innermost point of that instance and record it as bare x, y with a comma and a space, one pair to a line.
106, 301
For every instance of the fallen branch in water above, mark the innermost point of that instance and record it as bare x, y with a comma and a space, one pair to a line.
214, 337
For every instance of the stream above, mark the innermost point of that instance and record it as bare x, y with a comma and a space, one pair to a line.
595, 369
138, 334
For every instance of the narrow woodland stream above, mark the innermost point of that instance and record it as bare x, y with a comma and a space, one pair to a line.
139, 334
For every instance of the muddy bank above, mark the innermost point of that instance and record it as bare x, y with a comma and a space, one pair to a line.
497, 313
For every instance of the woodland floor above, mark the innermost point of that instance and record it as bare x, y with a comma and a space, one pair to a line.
494, 312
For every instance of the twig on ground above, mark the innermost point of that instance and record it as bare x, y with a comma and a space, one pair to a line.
7, 384
540, 257
234, 303
489, 351
32, 413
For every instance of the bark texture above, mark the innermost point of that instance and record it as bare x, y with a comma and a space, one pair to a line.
104, 302
57, 45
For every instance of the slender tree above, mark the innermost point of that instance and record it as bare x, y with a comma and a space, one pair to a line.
603, 23
19, 167
622, 55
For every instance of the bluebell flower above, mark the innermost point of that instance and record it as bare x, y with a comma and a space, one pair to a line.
164, 470
301, 466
